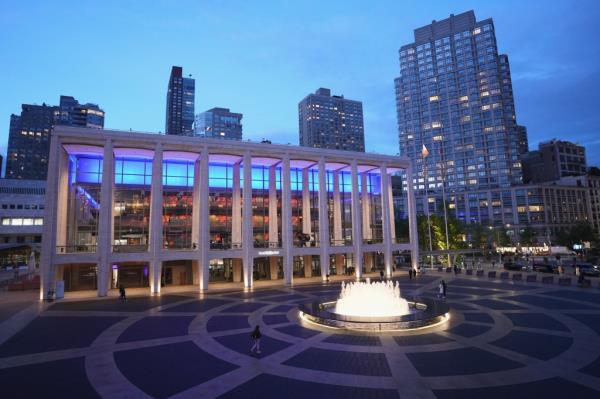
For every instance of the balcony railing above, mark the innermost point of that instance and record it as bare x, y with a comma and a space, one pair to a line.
266, 244
130, 248
69, 249
341, 243
225, 245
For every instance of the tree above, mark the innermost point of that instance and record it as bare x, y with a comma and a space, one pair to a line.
578, 234
527, 236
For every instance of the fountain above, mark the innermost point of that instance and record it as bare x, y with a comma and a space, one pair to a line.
375, 299
375, 306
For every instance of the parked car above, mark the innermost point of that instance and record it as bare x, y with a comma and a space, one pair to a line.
588, 269
514, 266
545, 268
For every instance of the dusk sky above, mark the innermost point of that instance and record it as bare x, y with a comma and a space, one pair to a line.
262, 58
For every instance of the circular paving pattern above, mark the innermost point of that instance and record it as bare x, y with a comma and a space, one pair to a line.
503, 339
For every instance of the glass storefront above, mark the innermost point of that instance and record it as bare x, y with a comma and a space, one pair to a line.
178, 190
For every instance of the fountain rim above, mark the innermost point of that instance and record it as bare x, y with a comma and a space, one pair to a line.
430, 312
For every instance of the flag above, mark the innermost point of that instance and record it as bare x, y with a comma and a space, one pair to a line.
425, 151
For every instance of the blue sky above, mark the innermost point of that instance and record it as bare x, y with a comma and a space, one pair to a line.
262, 57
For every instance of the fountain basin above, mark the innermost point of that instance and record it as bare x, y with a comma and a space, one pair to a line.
424, 312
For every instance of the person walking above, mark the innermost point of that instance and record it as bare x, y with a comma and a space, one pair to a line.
256, 339
410, 273
381, 274
443, 289
440, 290
122, 295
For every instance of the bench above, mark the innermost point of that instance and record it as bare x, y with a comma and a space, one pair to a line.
491, 274
448, 270
531, 278
440, 269
504, 275
564, 281
547, 280
480, 273
458, 270
469, 272
517, 277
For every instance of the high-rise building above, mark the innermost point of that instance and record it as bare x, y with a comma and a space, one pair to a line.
81, 115
180, 104
333, 122
454, 97
219, 123
553, 160
29, 134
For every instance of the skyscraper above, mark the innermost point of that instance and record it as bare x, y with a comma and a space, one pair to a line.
81, 115
454, 96
29, 134
219, 123
180, 104
333, 122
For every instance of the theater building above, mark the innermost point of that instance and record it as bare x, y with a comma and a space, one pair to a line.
149, 210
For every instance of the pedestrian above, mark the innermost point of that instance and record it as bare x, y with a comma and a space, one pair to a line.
381, 274
410, 273
444, 289
493, 264
256, 339
122, 295
455, 270
440, 290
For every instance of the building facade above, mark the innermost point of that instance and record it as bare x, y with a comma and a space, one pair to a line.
81, 115
332, 122
29, 134
454, 96
554, 160
184, 210
21, 219
180, 104
219, 123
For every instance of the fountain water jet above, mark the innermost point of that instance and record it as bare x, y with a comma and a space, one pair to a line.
373, 299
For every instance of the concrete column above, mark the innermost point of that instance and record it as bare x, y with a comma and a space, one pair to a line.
204, 233
236, 207
274, 267
392, 215
339, 264
247, 232
357, 238
49, 236
196, 264
337, 210
412, 219
387, 236
105, 235
366, 208
323, 220
156, 220
286, 221
306, 226
273, 222
237, 270
368, 262
307, 260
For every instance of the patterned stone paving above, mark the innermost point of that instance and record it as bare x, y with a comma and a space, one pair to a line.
504, 339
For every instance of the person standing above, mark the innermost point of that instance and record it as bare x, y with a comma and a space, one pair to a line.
256, 339
381, 274
440, 290
410, 273
122, 295
443, 289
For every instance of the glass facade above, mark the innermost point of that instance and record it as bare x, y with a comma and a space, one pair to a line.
178, 189
131, 211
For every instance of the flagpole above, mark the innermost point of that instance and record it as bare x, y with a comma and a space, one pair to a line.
444, 204
425, 153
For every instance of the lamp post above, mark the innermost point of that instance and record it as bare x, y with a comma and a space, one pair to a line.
444, 205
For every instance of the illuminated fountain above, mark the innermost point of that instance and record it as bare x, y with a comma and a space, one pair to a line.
375, 306
373, 299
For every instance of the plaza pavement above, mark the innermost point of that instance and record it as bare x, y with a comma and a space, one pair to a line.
504, 339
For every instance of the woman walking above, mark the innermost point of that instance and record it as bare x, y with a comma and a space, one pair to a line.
256, 338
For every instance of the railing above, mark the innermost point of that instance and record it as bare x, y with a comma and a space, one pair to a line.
341, 243
267, 244
225, 245
303, 243
130, 248
372, 241
69, 249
